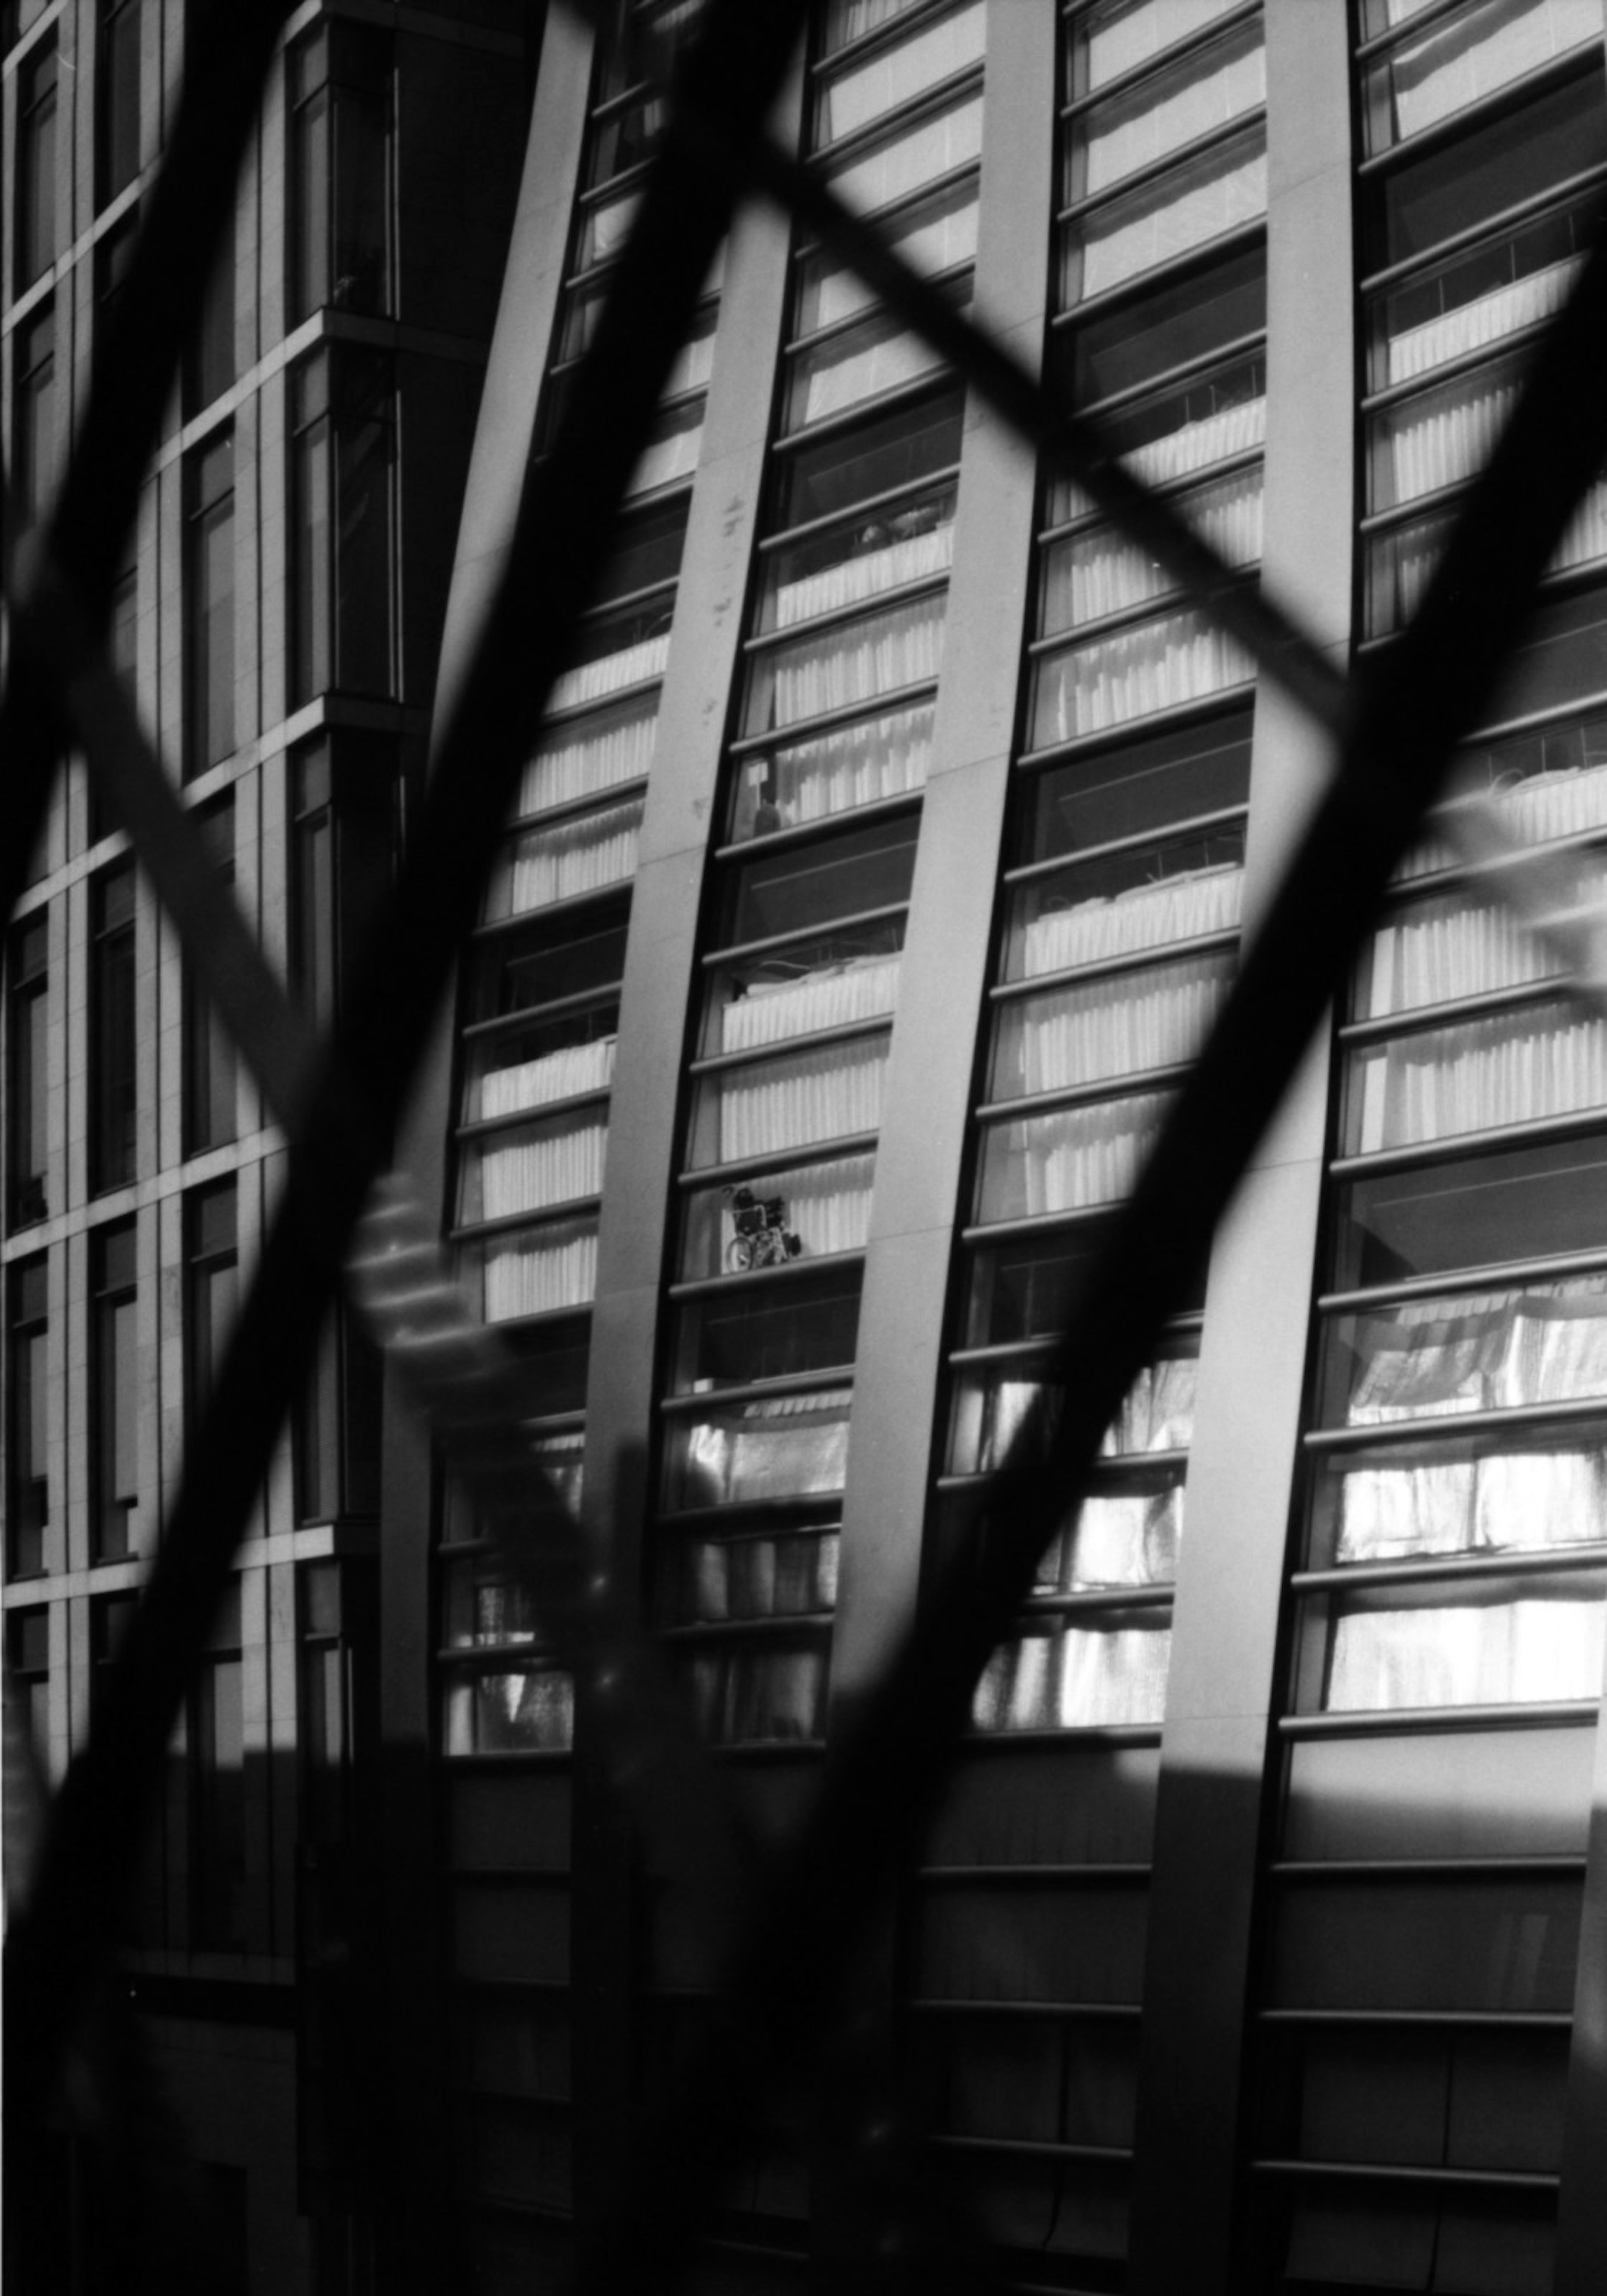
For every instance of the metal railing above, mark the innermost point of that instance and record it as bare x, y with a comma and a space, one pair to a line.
1394, 727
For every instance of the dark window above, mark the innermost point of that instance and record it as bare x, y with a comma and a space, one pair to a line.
210, 603
208, 1049
113, 1394
336, 1622
34, 376
18, 16
112, 1091
1492, 168
211, 1278
117, 98
35, 208
336, 1429
340, 136
111, 1617
208, 364
1142, 786
28, 1509
341, 516
217, 1721
122, 645
113, 254
28, 1144
803, 885
342, 845
28, 1654
852, 466
1170, 327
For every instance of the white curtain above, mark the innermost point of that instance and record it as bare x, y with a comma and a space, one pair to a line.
531, 1711
1178, 658
1133, 131
1075, 1677
1069, 1160
855, 989
854, 663
759, 1696
1119, 1538
1514, 1502
693, 363
529, 1274
606, 229
887, 558
1185, 907
554, 864
1157, 1414
1485, 319
931, 148
1486, 1073
590, 681
779, 1446
1585, 536
1465, 1654
778, 1578
1158, 1411
1090, 575
1193, 446
1479, 50
1400, 563
852, 765
1484, 1352
1148, 1020
851, 368
802, 1098
851, 20
576, 761
1558, 803
1123, 38
935, 238
1183, 211
527, 1169
893, 76
504, 1090
1446, 435
1429, 957
671, 453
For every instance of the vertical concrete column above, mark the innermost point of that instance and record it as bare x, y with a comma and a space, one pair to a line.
1222, 1689
943, 977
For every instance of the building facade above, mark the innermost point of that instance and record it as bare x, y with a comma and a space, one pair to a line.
278, 622
885, 857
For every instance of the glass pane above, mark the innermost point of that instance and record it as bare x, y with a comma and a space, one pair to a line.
878, 355
744, 1575
800, 887
510, 1713
872, 458
1139, 788
895, 75
1469, 1351
1527, 1203
1068, 1159
1545, 1060
1076, 1677
1186, 428
1440, 438
1153, 1018
582, 760
1190, 206
533, 1165
1492, 167
749, 1696
1211, 87
1160, 665
1479, 297
823, 984
991, 1403
1455, 945
1505, 1642
620, 653
510, 1073
825, 1208
1176, 324
800, 1099
852, 563
1117, 37
934, 146
779, 1446
933, 237
542, 866
535, 1271
1457, 1497
831, 773
1099, 571
1468, 56
767, 1330
1136, 901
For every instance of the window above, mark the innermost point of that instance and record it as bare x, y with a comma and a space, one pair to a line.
208, 363
28, 1509
341, 191
34, 376
116, 157
335, 1432
17, 17
35, 180
341, 467
211, 1279
113, 254
113, 1393
112, 1089
28, 1655
208, 1049
342, 844
337, 1622
210, 607
217, 1737
27, 1142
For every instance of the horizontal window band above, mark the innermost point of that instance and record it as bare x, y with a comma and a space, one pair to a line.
1456, 1147
1575, 64
1400, 2173
816, 1511
1245, 458
600, 194
809, 529
845, 1032
1560, 585
517, 1757
628, 600
1123, 83
573, 904
1452, 370
483, 1128
1473, 874
1163, 607
751, 1279
798, 347
1241, 235
575, 808
826, 159
539, 1321
1026, 2148
536, 1016
1393, 1432
1554, 195
936, 1877
1497, 1276
539, 1216
573, 711
929, 382
1041, 1350
1431, 1721
1155, 172
793, 1625
1429, 2021
1075, 1733
807, 729
791, 1384
1066, 2012
837, 617
883, 218
779, 1159
1193, 825
1398, 516
1450, 1570
1160, 380
1131, 1084
800, 832
1436, 1869
1150, 958
1222, 703
1109, 1473
1428, 13
891, 33
1036, 1224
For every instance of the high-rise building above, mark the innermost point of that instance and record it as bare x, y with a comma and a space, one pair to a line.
278, 623
883, 860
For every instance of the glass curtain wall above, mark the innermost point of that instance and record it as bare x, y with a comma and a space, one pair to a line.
1446, 1605
1119, 916
538, 1024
